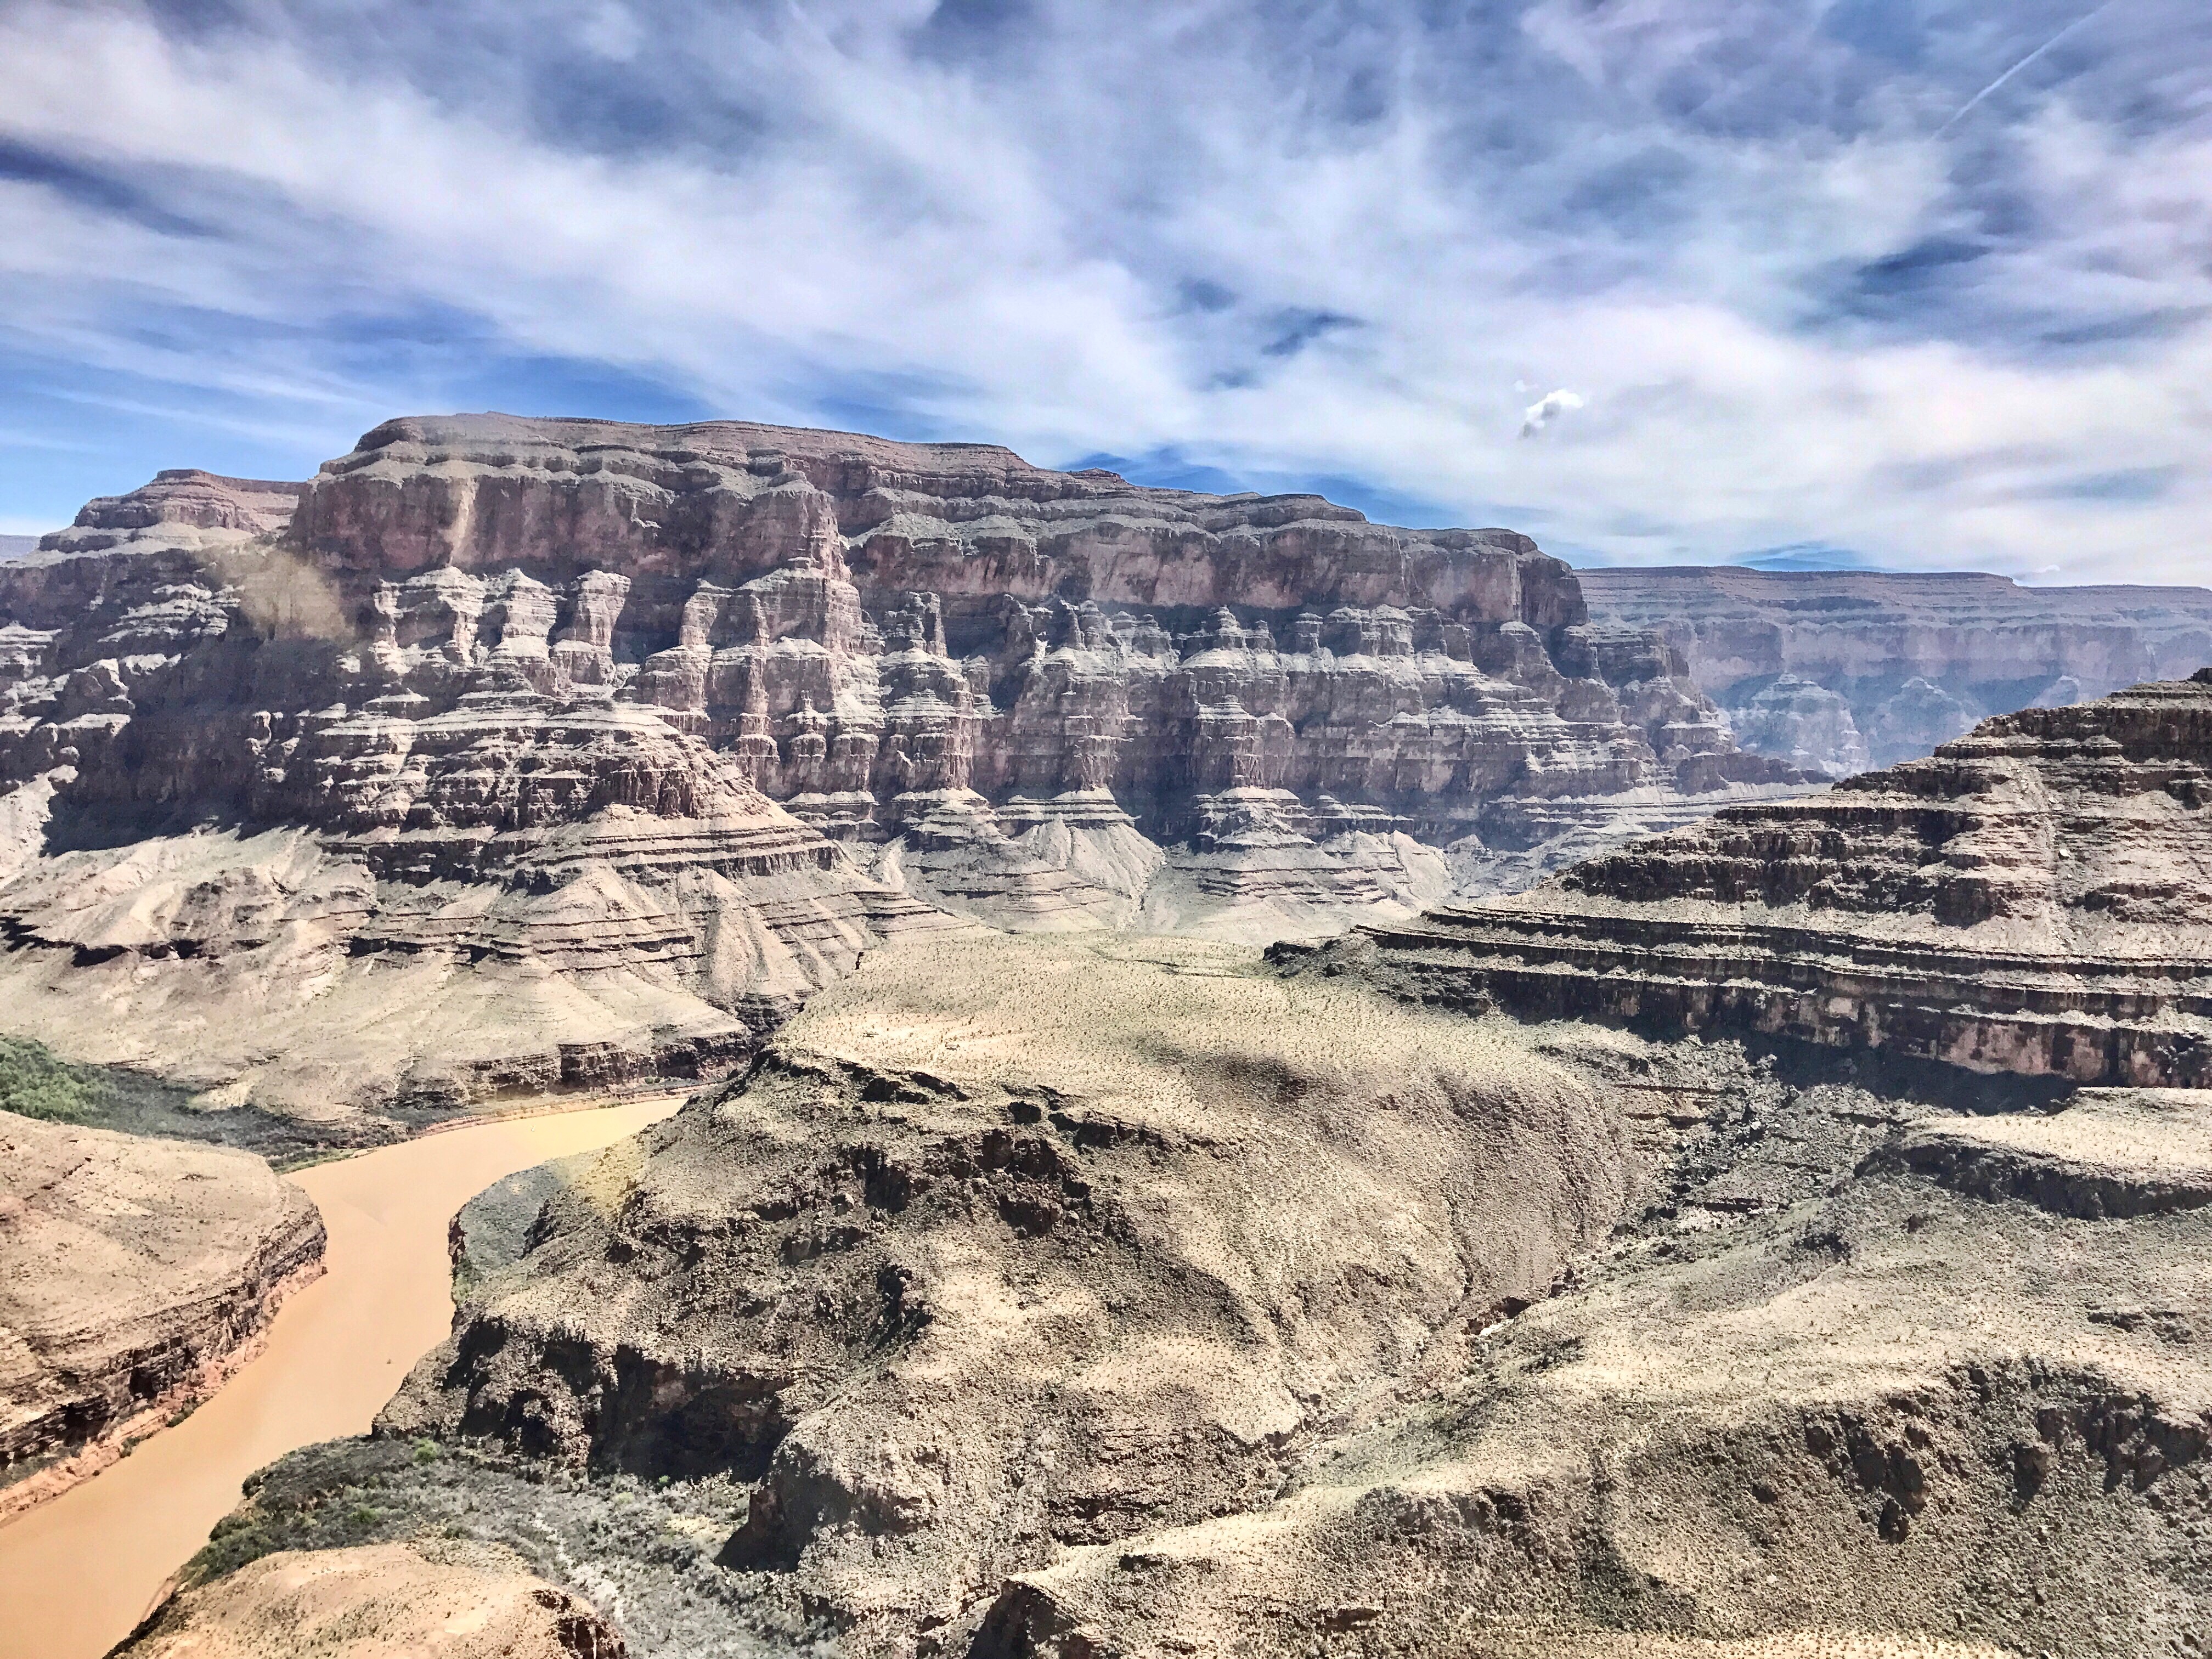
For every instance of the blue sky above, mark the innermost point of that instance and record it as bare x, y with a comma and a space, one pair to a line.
1909, 284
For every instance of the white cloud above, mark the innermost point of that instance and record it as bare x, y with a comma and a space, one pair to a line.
1301, 244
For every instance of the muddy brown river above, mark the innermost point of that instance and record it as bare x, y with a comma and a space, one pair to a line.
78, 1572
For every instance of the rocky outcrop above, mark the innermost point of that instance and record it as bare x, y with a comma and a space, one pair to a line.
181, 507
1038, 1298
1916, 658
380, 1602
1013, 1247
1809, 726
2031, 900
135, 1274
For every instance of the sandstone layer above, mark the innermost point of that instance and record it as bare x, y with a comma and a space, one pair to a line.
1042, 1299
379, 1602
2033, 900
1907, 661
1019, 677
134, 1274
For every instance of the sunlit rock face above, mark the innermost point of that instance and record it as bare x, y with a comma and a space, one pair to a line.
1916, 660
1023, 682
620, 741
339, 862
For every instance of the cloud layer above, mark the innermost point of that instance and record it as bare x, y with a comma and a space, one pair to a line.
1928, 283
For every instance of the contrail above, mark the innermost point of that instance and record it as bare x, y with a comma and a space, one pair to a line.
1967, 107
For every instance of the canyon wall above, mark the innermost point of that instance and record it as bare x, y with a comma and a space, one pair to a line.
2031, 900
1838, 671
506, 754
1007, 671
135, 1274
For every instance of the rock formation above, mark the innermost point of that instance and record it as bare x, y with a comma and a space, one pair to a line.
135, 1273
2031, 900
1811, 727
1003, 670
510, 755
250, 854
1613, 1268
1916, 658
380, 1602
1008, 1244
1035, 1299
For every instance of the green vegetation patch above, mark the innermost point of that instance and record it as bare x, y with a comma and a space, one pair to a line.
35, 1084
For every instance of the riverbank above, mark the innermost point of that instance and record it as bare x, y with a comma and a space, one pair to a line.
78, 1572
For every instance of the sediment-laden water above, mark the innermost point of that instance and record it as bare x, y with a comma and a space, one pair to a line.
77, 1573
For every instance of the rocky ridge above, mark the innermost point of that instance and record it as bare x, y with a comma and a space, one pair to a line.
1035, 1299
134, 1275
2028, 901
1840, 670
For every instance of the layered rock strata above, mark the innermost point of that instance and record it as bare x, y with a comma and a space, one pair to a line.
2033, 899
1003, 671
1914, 659
511, 755
135, 1273
333, 873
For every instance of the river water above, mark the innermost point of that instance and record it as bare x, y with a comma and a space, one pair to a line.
78, 1572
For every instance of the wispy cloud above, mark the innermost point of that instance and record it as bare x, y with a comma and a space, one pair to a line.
1798, 300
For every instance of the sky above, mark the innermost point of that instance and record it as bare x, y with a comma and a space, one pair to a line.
1902, 284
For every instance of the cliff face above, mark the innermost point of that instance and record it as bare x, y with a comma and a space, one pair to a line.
2031, 900
1909, 661
317, 871
1007, 670
134, 1273
603, 745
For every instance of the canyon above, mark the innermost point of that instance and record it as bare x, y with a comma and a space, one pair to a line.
506, 756
1713, 1158
1058, 1296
